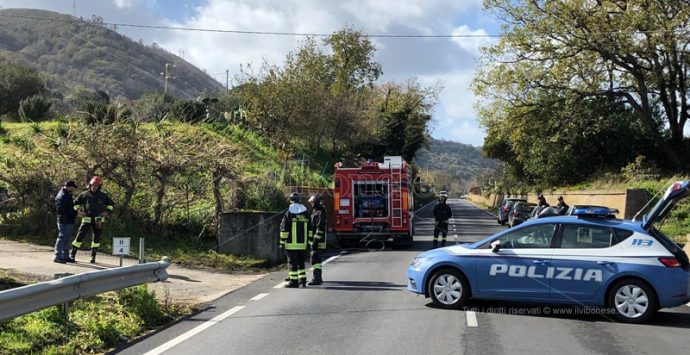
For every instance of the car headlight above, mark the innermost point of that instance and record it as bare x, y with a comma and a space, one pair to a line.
417, 262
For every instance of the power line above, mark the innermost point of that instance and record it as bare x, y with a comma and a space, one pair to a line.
297, 34
306, 34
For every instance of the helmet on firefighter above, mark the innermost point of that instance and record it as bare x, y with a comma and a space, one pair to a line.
294, 197
96, 180
316, 200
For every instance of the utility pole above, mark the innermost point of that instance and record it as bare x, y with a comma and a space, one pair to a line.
168, 77
227, 80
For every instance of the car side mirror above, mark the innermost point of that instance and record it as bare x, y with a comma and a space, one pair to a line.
495, 246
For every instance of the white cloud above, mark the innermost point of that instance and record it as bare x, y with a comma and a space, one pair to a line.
474, 40
124, 4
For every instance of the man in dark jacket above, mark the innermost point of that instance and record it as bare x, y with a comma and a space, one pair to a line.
294, 240
318, 228
93, 205
442, 213
65, 221
562, 206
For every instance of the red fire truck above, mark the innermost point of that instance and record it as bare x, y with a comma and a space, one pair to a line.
374, 202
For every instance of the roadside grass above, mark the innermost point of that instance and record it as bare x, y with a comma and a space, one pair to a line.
94, 325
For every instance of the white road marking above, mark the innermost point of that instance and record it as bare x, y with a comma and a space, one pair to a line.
688, 304
217, 319
330, 259
258, 297
280, 285
471, 319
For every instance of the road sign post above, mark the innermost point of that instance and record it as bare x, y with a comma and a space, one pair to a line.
121, 247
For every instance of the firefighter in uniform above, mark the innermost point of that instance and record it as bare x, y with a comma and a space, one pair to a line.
442, 213
92, 205
294, 239
318, 245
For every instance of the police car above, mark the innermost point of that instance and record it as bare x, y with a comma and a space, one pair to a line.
586, 259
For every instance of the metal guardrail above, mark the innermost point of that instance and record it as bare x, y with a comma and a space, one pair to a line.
22, 300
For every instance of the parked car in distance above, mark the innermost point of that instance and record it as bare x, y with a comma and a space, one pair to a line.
592, 209
505, 207
548, 211
520, 212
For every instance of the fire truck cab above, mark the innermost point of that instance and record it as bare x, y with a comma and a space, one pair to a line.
374, 202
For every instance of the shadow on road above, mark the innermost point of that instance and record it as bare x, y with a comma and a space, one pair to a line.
360, 286
673, 318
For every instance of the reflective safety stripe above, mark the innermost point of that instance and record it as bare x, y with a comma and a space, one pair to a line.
109, 208
95, 245
76, 243
85, 220
322, 246
297, 240
436, 238
302, 274
77, 207
317, 266
293, 275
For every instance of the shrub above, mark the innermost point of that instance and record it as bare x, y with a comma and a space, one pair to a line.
34, 108
143, 303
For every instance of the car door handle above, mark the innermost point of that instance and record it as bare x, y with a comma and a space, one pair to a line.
541, 262
605, 263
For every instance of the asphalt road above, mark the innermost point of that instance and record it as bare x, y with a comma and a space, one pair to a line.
363, 308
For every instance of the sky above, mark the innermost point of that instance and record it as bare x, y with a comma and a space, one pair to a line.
448, 62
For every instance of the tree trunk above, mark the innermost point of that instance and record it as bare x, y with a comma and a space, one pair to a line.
217, 196
162, 178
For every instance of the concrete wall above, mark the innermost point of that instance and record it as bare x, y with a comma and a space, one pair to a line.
628, 201
251, 233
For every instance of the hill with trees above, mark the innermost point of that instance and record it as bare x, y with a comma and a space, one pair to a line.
453, 166
70, 53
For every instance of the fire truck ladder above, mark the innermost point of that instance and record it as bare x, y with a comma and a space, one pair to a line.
396, 195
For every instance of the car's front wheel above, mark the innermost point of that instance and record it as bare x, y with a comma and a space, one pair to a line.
449, 289
633, 301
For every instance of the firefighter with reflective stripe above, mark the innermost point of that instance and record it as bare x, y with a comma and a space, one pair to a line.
295, 238
92, 205
442, 213
318, 245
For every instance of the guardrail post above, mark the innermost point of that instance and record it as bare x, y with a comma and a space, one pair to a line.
142, 255
63, 307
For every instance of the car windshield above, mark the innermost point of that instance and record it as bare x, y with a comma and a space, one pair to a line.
523, 207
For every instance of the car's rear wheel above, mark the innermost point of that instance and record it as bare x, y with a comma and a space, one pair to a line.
449, 289
633, 301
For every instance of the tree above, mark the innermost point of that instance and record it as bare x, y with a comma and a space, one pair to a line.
635, 51
17, 82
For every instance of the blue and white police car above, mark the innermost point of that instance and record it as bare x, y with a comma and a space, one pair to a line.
586, 259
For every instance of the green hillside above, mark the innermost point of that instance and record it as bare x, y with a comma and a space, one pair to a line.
70, 52
453, 165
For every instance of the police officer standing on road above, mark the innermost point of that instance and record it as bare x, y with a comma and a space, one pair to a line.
442, 213
318, 225
92, 205
295, 239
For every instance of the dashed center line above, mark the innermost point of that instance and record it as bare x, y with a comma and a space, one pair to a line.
471, 319
258, 297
